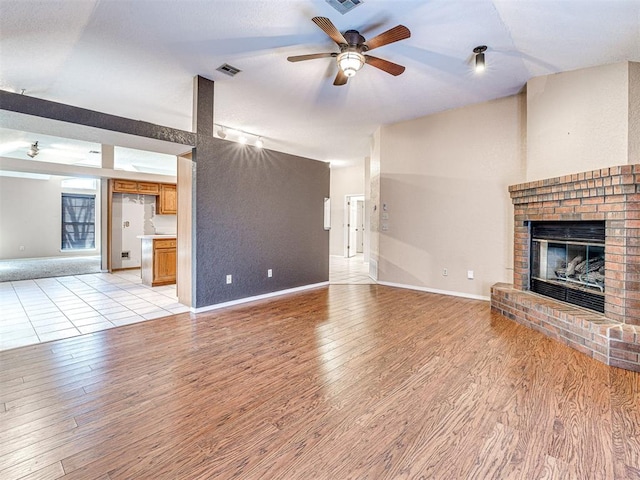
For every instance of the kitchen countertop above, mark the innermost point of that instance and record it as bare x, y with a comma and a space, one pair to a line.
157, 236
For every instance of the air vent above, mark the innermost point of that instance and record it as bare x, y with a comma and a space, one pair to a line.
228, 69
344, 6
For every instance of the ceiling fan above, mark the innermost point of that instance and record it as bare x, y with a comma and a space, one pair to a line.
353, 47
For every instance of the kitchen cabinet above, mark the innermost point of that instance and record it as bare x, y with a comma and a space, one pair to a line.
168, 200
159, 260
125, 186
147, 188
166, 194
131, 186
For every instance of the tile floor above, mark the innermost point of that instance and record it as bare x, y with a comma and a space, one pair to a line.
348, 270
34, 311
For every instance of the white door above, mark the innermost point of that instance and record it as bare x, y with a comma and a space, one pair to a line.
352, 226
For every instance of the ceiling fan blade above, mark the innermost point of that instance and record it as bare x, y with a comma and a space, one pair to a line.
330, 29
394, 34
384, 65
341, 78
311, 56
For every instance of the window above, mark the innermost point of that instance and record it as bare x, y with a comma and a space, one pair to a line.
78, 221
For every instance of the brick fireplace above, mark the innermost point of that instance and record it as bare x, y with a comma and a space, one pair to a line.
611, 195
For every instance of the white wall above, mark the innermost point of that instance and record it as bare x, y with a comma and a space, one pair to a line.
578, 121
344, 181
374, 203
31, 216
444, 179
368, 207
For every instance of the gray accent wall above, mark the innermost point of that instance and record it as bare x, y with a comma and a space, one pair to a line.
257, 210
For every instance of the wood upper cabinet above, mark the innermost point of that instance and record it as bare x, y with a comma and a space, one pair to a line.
147, 188
131, 186
125, 186
168, 200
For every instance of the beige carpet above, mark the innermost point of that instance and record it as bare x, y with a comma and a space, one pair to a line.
30, 268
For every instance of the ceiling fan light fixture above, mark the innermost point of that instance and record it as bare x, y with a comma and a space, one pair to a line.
34, 150
350, 62
479, 51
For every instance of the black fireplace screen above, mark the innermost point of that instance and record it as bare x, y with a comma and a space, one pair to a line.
567, 262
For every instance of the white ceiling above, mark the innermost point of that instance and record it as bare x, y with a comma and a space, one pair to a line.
137, 59
67, 151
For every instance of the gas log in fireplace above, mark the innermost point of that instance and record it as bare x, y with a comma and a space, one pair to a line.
567, 262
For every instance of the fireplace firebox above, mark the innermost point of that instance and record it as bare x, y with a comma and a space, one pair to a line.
568, 262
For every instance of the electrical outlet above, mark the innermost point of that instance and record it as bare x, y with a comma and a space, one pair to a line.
229, 279
269, 273
444, 272
470, 274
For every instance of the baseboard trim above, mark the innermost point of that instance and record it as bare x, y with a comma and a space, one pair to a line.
257, 297
435, 290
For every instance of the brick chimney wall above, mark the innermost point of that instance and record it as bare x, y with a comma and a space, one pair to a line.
611, 195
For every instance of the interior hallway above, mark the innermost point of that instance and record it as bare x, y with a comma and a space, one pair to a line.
40, 310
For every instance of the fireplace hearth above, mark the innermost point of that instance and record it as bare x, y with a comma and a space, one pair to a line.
577, 262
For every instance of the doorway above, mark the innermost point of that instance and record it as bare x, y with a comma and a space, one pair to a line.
354, 225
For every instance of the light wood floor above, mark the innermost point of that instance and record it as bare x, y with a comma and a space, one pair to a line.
343, 382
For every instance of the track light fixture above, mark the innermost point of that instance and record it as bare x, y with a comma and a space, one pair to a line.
479, 51
239, 136
34, 150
